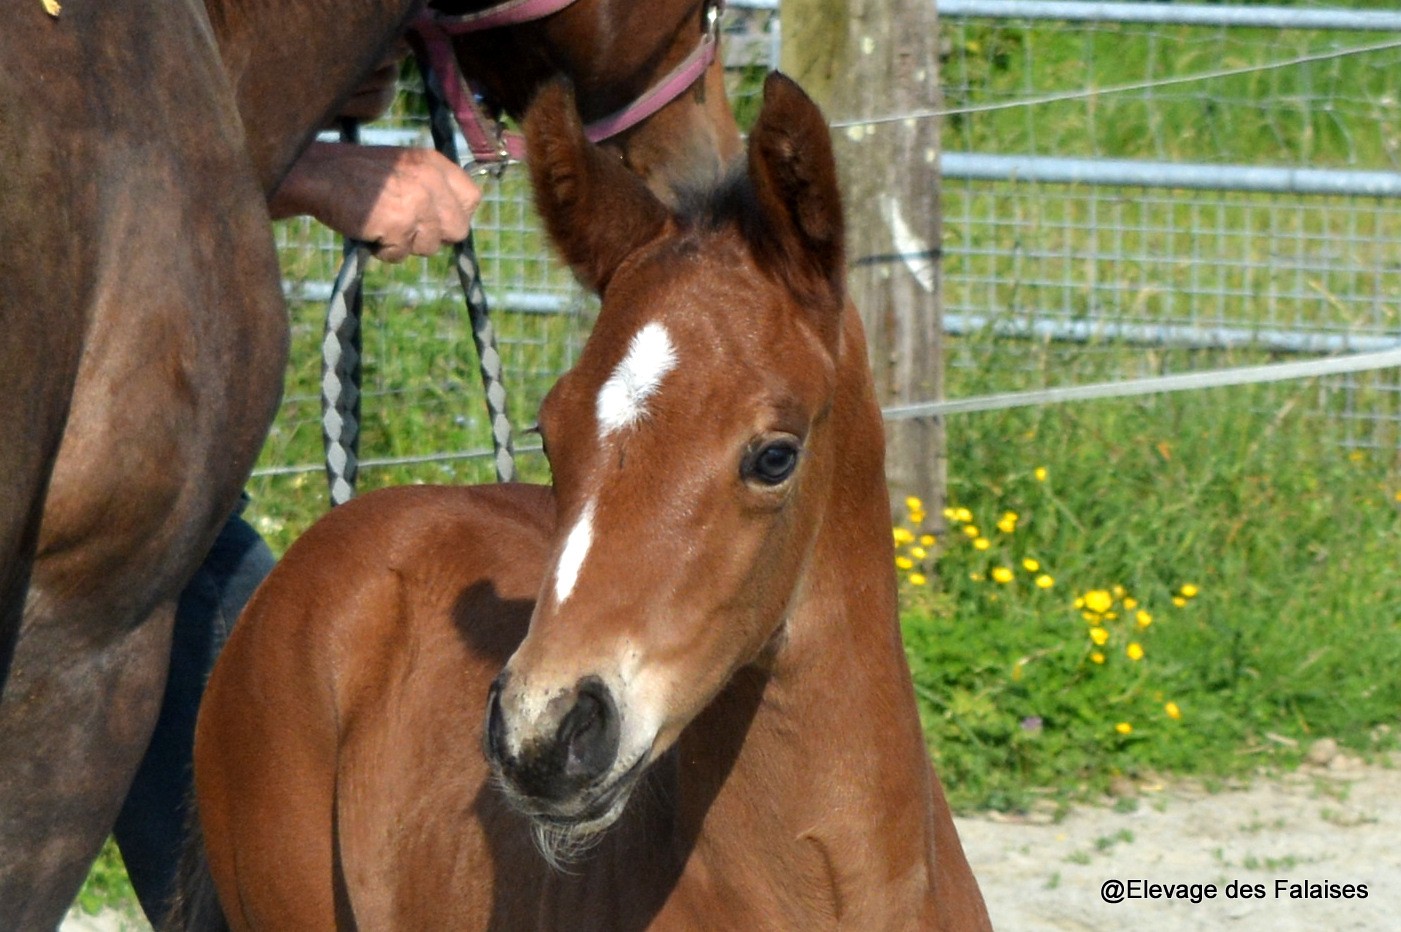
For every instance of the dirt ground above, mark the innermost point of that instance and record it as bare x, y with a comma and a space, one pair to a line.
1332, 824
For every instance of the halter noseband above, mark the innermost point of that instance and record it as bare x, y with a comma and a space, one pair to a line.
490, 145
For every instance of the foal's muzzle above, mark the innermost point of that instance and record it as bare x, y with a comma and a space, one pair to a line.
559, 757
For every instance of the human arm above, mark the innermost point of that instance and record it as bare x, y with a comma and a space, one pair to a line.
404, 201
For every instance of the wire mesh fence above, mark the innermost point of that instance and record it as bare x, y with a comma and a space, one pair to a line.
1215, 255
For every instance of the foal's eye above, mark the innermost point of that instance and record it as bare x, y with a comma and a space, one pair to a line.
772, 463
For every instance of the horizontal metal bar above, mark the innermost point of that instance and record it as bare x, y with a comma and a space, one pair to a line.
520, 302
1178, 14
1187, 381
380, 462
975, 166
1174, 336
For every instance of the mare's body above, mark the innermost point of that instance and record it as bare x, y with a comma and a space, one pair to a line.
705, 699
145, 340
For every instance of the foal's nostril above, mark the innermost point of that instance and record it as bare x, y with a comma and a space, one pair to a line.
553, 764
589, 732
494, 738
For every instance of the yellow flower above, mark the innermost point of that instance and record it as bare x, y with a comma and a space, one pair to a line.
976, 577
1044, 581
971, 530
904, 563
917, 517
1097, 657
913, 504
1079, 601
1017, 670
1135, 651
1030, 565
1007, 523
917, 579
1179, 601
903, 536
949, 513
1173, 712
1097, 600
1143, 618
1189, 591
981, 543
1124, 728
1118, 590
1130, 604
1040, 473
962, 515
1099, 636
1001, 574
1093, 618
927, 540
919, 553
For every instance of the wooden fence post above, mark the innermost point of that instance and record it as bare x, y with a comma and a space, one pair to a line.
865, 59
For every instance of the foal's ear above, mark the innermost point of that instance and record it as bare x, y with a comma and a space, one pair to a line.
795, 183
596, 211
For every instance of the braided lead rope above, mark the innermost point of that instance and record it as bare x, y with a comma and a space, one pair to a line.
341, 353
469, 273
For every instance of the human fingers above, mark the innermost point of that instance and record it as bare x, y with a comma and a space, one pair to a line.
459, 203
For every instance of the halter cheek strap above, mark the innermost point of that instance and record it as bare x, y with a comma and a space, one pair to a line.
488, 142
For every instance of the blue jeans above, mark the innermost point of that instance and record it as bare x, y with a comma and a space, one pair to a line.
150, 830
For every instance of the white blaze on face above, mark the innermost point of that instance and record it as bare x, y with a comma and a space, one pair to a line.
621, 402
571, 559
623, 398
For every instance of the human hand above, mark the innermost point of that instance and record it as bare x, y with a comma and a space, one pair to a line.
402, 201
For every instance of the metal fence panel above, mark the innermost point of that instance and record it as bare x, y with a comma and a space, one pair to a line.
1172, 186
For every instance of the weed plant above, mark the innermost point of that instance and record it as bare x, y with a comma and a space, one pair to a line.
1197, 584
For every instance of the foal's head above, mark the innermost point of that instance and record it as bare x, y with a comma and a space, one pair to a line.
691, 448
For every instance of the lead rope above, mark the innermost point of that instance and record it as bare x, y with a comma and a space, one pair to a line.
341, 346
469, 273
340, 364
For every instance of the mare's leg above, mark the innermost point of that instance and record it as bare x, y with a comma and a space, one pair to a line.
150, 829
183, 342
42, 306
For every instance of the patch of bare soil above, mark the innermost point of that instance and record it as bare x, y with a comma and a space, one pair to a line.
1315, 849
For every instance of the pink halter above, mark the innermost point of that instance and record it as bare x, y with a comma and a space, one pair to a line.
489, 144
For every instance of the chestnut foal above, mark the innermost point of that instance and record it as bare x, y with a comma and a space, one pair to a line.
705, 711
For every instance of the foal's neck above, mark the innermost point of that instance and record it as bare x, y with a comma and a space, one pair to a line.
812, 767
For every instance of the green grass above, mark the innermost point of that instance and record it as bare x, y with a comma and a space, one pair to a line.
107, 886
1289, 540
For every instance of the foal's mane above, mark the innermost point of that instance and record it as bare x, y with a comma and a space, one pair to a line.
728, 202
733, 203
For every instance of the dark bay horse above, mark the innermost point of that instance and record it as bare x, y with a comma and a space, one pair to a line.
143, 335
705, 711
